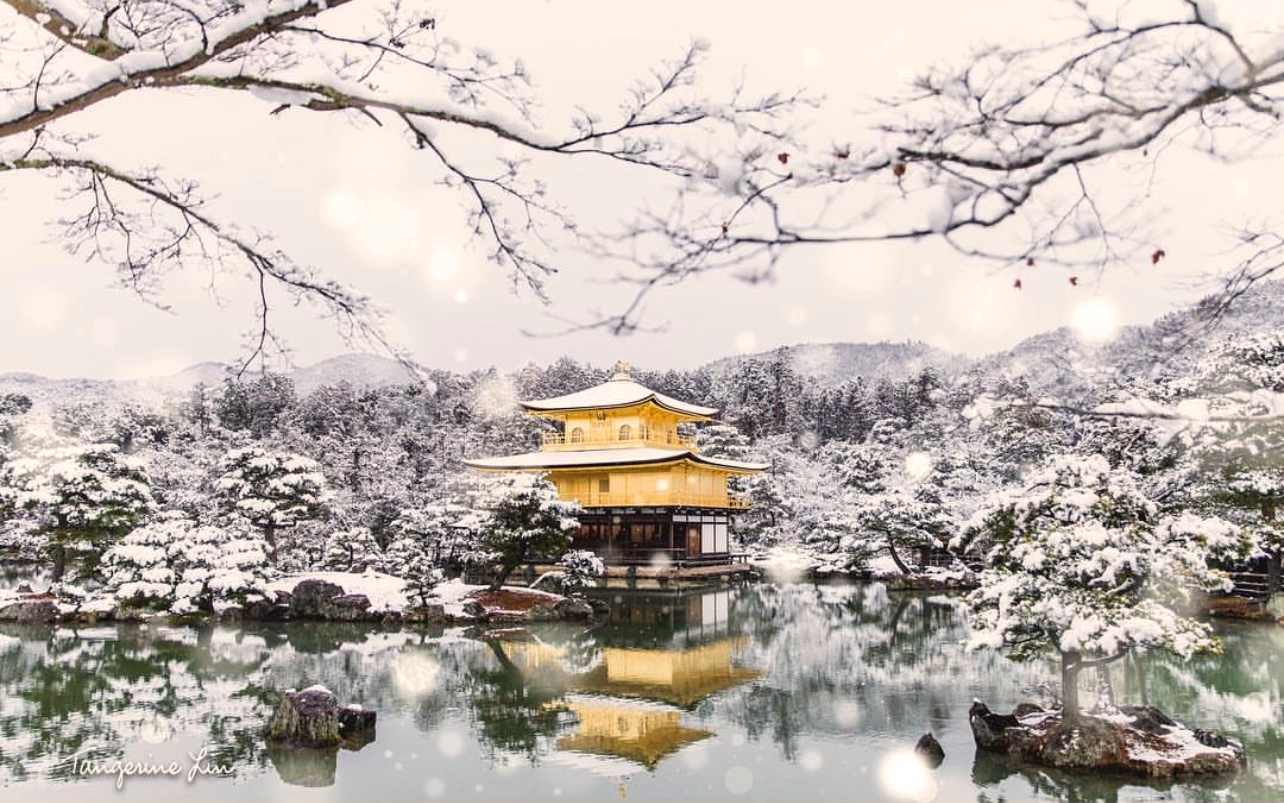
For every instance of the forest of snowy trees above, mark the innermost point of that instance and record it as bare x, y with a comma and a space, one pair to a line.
1149, 489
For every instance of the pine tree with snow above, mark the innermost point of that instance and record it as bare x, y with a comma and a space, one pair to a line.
526, 520
84, 498
271, 489
1081, 564
581, 569
353, 550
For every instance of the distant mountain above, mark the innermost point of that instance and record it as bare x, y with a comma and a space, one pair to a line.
835, 363
359, 370
1061, 365
1056, 364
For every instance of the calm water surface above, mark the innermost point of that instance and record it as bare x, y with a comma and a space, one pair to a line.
767, 692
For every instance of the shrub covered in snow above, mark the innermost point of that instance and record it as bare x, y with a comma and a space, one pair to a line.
139, 570
581, 569
219, 567
177, 564
353, 550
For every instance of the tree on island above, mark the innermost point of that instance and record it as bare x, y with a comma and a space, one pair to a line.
1082, 564
525, 520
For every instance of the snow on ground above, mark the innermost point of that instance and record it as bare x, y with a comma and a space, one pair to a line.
785, 564
385, 592
882, 566
453, 594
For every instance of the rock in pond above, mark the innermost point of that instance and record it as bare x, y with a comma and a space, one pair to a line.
308, 718
30, 611
1139, 740
319, 599
930, 751
313, 718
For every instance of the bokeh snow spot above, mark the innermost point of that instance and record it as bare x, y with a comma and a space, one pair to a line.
904, 776
416, 674
846, 713
1096, 319
461, 296
746, 342
44, 307
811, 760
450, 744
813, 58
918, 465
442, 265
738, 780
434, 787
340, 208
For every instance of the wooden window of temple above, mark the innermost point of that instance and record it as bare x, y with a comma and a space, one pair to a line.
577, 435
626, 432
642, 432
604, 485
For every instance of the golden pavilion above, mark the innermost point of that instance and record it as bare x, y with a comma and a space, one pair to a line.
647, 492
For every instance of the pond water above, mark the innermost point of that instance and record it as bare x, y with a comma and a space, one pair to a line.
763, 692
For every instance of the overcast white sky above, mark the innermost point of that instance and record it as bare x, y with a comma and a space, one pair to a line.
360, 205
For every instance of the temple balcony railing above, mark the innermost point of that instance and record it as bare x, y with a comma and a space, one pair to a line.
556, 442
661, 499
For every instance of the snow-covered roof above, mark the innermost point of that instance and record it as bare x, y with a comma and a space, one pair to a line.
619, 391
608, 457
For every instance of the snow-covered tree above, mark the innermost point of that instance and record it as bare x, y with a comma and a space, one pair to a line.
1018, 151
353, 550
271, 489
525, 520
219, 567
723, 440
1235, 400
84, 497
429, 530
12, 407
1081, 564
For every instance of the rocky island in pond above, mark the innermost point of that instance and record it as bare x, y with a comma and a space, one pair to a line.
1139, 740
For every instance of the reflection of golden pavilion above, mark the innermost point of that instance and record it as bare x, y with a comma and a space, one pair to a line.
625, 705
625, 729
680, 677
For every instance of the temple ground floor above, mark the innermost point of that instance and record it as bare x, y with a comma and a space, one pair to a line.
656, 538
